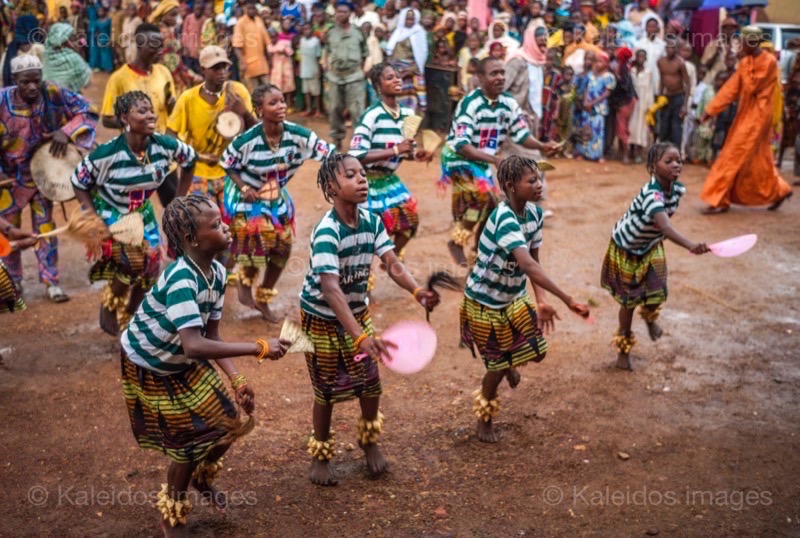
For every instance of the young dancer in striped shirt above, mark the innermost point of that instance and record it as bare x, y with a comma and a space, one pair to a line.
335, 315
259, 163
177, 402
117, 179
497, 314
635, 266
379, 144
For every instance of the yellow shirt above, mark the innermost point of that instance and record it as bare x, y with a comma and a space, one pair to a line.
125, 80
219, 7
194, 121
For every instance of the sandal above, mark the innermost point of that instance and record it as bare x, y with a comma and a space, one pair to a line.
56, 294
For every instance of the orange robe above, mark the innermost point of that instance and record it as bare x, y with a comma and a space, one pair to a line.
745, 173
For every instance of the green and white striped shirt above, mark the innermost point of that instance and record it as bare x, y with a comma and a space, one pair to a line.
378, 130
496, 280
251, 156
486, 124
123, 181
338, 249
636, 231
179, 300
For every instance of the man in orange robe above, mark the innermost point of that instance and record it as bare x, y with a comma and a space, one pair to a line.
745, 173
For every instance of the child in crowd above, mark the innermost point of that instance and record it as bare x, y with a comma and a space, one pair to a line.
281, 53
177, 402
10, 296
566, 104
473, 81
635, 266
467, 53
595, 105
497, 315
692, 136
443, 54
335, 315
310, 50
497, 51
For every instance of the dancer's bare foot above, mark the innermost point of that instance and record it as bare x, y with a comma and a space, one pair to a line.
217, 498
654, 330
376, 463
486, 431
624, 362
457, 253
245, 295
321, 474
513, 377
108, 321
305, 113
266, 313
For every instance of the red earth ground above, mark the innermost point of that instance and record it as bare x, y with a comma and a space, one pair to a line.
700, 439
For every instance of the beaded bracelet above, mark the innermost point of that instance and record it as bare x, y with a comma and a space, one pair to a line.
238, 381
264, 349
357, 341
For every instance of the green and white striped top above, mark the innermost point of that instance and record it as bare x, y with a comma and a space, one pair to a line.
378, 130
123, 181
338, 249
486, 124
496, 280
636, 231
251, 156
179, 300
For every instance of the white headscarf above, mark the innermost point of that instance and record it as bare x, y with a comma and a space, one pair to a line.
416, 35
509, 43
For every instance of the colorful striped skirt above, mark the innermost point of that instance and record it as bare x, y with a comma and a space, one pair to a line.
389, 198
474, 192
503, 337
127, 263
257, 242
130, 264
183, 415
335, 376
635, 280
10, 299
211, 188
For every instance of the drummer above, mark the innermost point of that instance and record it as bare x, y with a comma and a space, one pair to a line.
195, 115
31, 113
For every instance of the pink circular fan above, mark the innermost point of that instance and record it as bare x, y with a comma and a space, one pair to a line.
733, 247
416, 346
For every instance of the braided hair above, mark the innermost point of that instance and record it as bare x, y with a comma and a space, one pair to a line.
376, 73
179, 220
327, 173
513, 168
126, 101
655, 153
261, 91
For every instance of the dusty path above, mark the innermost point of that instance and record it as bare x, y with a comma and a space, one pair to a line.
708, 419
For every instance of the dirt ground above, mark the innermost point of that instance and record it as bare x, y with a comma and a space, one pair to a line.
701, 439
